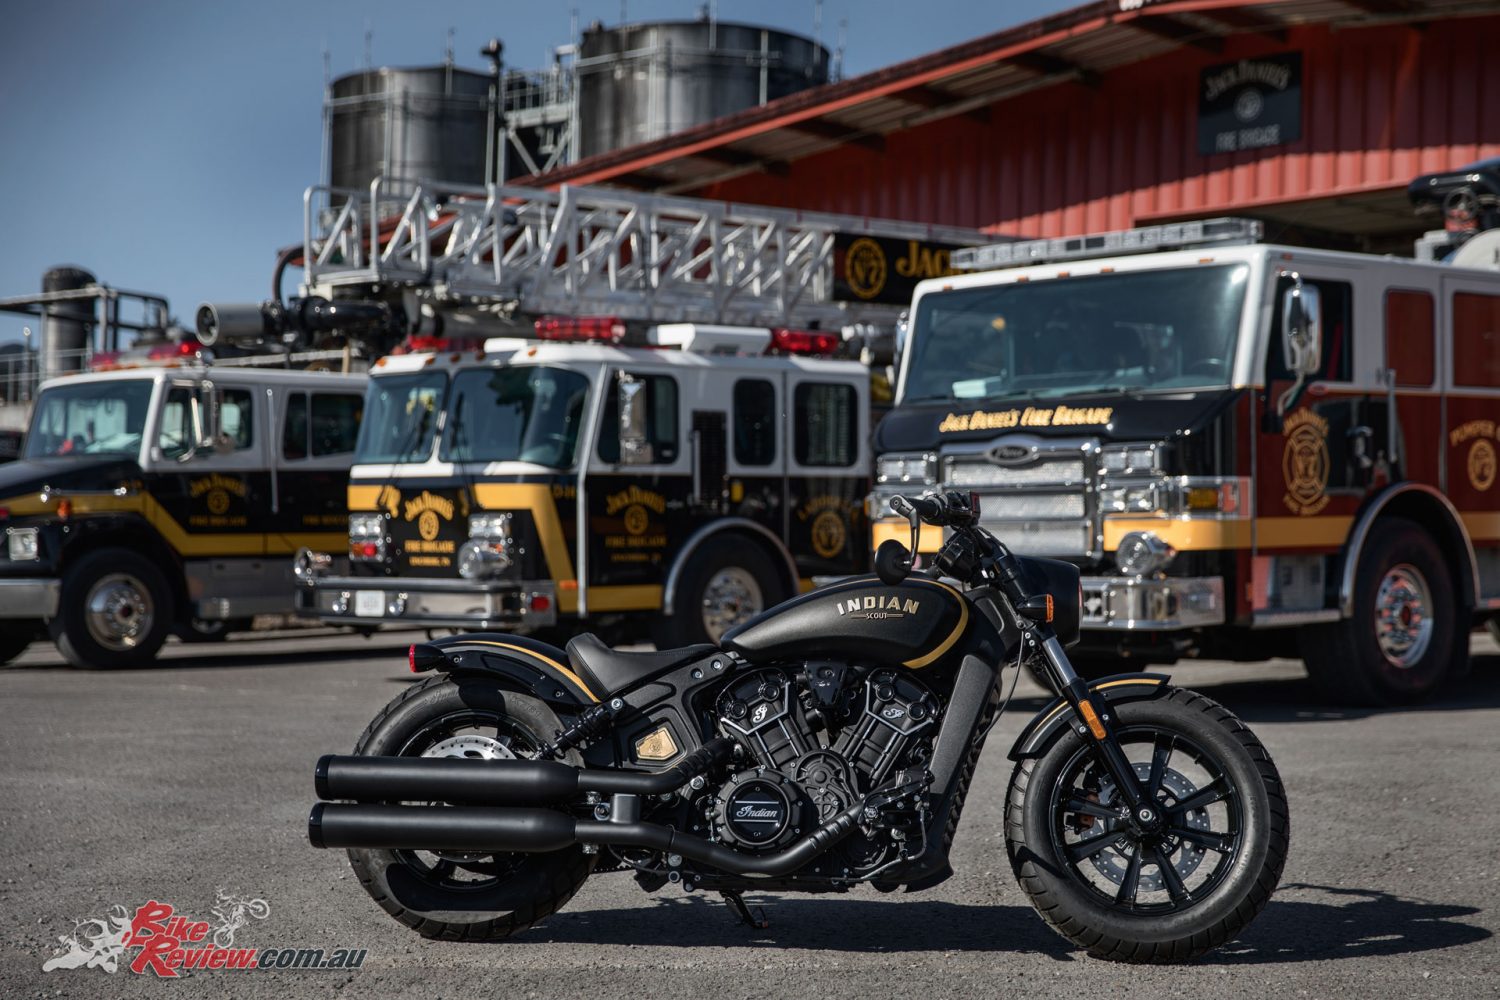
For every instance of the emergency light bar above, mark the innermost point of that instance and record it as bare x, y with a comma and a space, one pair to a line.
599, 329
1144, 239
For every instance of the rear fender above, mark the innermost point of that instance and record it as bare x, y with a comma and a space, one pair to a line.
513, 661
1052, 721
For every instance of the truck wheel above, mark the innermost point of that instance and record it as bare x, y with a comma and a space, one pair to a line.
115, 611
726, 582
1399, 643
14, 643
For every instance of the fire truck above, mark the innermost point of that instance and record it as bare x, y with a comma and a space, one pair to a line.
1251, 450
168, 496
637, 412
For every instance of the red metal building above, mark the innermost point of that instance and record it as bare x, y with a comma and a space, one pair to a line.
1095, 119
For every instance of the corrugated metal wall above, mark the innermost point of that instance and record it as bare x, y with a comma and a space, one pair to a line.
1381, 105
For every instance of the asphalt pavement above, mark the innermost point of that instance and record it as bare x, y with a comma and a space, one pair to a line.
193, 779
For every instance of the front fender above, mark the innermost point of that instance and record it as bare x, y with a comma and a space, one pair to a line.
523, 664
1053, 720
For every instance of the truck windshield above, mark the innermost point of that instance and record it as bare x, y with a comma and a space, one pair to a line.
400, 419
90, 418
521, 414
1137, 330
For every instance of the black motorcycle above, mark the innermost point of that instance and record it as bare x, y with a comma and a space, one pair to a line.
825, 743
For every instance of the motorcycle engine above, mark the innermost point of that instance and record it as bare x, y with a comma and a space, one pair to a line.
823, 736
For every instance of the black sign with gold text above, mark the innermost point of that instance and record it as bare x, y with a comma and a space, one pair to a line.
1250, 104
880, 269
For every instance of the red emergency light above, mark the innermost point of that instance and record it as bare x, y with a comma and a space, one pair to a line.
811, 342
601, 329
435, 345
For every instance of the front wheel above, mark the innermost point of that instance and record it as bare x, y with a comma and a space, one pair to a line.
1188, 878
462, 895
727, 581
114, 611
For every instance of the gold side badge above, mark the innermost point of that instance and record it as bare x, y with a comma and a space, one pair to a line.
656, 745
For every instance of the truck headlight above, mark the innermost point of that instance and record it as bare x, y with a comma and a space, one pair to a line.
21, 544
367, 537
906, 470
1135, 499
490, 527
1130, 458
1142, 553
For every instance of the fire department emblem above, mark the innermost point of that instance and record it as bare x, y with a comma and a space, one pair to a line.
828, 534
1304, 463
865, 268
427, 525
1482, 465
636, 519
218, 501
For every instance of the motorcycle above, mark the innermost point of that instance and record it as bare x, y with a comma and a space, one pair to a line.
826, 743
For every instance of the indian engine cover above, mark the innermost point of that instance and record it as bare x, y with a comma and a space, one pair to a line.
758, 810
910, 625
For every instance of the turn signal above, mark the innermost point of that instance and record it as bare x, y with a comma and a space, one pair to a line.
1092, 719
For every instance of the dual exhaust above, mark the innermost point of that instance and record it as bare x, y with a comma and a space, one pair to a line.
494, 808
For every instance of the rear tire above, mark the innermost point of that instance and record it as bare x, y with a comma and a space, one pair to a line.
727, 581
1401, 642
114, 611
1234, 882
521, 890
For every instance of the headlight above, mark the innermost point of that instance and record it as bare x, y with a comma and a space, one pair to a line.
494, 527
1130, 458
367, 537
21, 544
1138, 499
903, 470
1141, 553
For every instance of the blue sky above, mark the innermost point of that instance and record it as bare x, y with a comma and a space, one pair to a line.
165, 145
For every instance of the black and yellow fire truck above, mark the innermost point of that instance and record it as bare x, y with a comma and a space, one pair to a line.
1251, 450
154, 499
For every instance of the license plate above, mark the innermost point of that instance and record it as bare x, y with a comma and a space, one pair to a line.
369, 603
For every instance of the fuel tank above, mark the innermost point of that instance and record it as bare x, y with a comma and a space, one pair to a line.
911, 624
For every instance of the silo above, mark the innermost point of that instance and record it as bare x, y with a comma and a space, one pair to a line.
423, 123
65, 325
639, 82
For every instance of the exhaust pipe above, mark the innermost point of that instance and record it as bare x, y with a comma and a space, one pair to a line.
497, 782
477, 828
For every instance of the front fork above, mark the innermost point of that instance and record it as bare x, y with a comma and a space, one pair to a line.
1094, 722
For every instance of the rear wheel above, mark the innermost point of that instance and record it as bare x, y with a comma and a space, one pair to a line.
1400, 643
1177, 883
726, 582
114, 611
463, 895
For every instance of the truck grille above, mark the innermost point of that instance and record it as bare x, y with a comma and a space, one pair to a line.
1045, 507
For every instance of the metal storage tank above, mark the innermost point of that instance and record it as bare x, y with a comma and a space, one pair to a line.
66, 324
423, 123
639, 82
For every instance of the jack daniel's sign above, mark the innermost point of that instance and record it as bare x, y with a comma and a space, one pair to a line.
1250, 104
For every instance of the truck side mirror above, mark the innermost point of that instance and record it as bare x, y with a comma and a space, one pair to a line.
635, 448
208, 413
1301, 329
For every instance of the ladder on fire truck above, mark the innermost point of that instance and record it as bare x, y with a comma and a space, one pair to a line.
594, 251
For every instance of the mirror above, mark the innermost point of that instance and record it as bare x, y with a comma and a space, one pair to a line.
1301, 329
635, 449
208, 421
892, 562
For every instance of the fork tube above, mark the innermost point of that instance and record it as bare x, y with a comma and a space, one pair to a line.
1076, 692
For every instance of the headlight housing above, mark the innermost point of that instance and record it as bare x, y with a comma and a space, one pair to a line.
1141, 498
22, 544
1130, 459
1141, 553
490, 527
367, 537
905, 470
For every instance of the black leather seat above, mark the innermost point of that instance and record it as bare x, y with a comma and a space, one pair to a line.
607, 671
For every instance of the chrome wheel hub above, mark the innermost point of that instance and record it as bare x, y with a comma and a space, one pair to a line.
119, 612
731, 597
1403, 626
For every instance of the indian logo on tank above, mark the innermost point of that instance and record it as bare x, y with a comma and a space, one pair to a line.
878, 606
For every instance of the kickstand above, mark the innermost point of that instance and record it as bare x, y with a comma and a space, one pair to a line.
756, 921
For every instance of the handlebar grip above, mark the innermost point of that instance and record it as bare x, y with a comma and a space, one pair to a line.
901, 506
928, 508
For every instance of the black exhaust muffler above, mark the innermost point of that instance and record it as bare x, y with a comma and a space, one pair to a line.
497, 782
478, 828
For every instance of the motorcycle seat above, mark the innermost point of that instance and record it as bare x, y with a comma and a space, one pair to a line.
608, 671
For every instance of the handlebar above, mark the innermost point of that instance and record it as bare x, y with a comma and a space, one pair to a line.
939, 509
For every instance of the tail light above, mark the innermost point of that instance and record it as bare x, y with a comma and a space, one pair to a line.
810, 342
606, 329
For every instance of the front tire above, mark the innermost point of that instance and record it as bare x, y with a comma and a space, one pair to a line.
466, 897
1401, 642
114, 611
1162, 897
727, 582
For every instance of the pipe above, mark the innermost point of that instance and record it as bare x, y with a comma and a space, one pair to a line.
476, 828
497, 782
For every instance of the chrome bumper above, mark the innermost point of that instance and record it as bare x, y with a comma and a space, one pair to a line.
389, 600
1161, 604
28, 597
